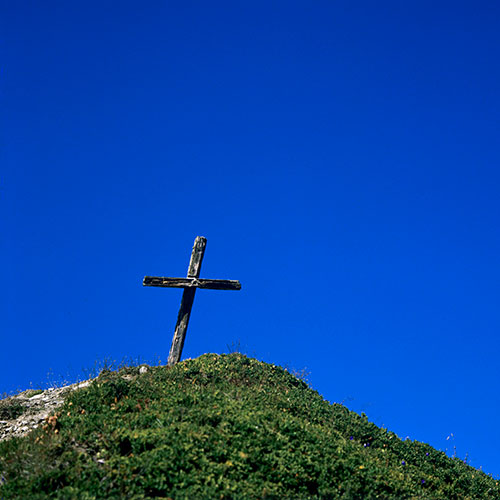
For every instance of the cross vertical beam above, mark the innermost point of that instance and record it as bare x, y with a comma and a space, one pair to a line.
186, 302
190, 283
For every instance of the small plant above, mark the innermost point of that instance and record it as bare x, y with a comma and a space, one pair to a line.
34, 392
302, 374
11, 409
234, 347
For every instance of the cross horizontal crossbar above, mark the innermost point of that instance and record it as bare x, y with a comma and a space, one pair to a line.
192, 283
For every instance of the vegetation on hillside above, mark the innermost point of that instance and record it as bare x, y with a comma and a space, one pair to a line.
225, 427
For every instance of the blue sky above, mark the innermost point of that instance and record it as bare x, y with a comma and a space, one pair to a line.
341, 158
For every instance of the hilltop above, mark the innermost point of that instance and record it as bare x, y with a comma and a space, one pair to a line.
221, 426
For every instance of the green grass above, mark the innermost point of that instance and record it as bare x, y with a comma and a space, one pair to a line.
10, 409
222, 427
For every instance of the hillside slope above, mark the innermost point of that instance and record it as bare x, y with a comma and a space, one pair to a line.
222, 427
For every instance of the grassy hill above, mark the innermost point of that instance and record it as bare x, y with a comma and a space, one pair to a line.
222, 427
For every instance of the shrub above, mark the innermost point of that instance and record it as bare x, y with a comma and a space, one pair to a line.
222, 427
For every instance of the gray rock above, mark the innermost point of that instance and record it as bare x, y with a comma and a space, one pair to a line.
35, 408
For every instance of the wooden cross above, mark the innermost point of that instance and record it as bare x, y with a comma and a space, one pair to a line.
190, 284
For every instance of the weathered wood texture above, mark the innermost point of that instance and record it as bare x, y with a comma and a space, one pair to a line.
187, 302
192, 283
181, 326
197, 257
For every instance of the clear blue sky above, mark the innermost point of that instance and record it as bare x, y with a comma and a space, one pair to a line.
342, 159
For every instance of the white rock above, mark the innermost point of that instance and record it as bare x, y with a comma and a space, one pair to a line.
36, 409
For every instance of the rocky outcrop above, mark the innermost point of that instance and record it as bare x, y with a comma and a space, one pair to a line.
24, 412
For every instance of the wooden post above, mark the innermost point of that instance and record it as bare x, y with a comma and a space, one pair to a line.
187, 302
190, 284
